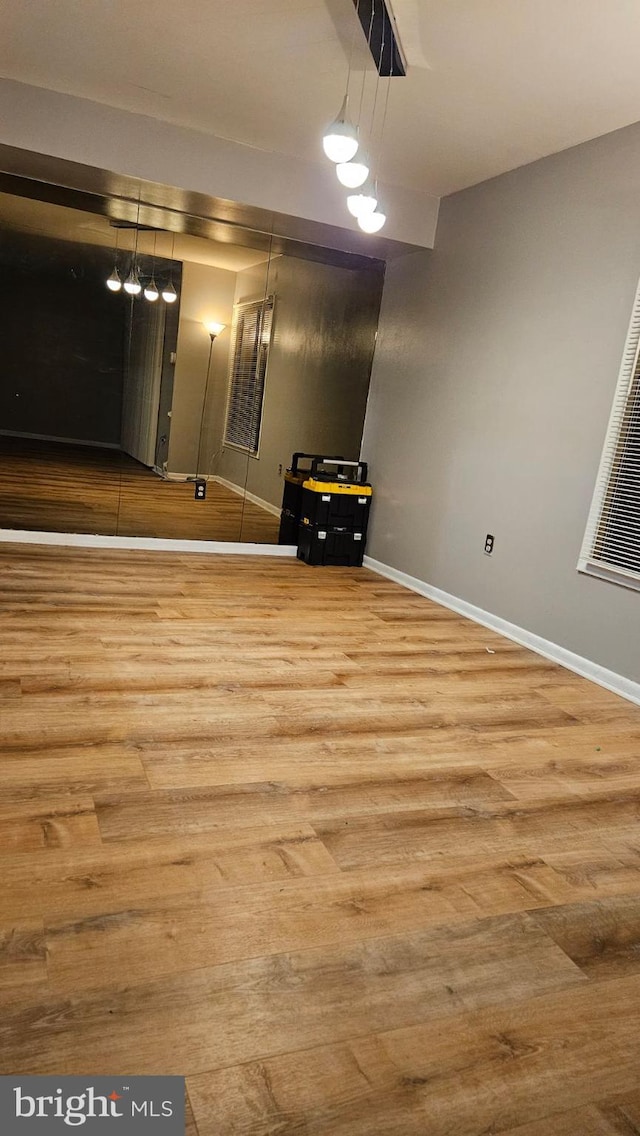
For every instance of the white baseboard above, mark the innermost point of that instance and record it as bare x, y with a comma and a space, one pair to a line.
148, 543
55, 438
617, 683
273, 509
266, 505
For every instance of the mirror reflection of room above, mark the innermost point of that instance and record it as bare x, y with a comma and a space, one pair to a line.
117, 401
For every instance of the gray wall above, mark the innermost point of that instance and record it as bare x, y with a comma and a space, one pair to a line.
495, 368
317, 381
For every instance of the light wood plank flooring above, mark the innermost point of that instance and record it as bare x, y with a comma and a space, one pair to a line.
54, 487
353, 865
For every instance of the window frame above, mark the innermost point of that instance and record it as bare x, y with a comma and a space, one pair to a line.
623, 413
262, 302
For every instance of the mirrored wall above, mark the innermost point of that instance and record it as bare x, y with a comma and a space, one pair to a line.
156, 381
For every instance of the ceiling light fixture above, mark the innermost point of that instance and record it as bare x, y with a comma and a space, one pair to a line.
354, 173
372, 220
364, 201
340, 140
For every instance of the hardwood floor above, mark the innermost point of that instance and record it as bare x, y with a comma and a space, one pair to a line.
353, 865
53, 487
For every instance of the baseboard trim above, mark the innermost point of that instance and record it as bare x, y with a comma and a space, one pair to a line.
146, 543
55, 438
273, 509
266, 505
617, 683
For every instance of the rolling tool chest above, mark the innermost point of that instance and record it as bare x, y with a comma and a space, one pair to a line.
294, 479
335, 503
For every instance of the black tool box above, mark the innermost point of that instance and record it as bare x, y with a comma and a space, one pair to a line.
335, 513
295, 476
328, 546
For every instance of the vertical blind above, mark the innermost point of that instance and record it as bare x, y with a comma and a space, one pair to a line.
251, 337
612, 541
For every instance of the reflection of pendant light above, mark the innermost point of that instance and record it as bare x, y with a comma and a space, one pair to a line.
364, 201
114, 283
132, 284
151, 292
169, 294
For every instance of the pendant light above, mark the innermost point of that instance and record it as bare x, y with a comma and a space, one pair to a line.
114, 282
169, 294
354, 173
340, 141
132, 284
371, 218
372, 221
364, 201
151, 292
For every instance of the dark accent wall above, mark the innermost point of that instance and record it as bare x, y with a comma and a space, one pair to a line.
63, 339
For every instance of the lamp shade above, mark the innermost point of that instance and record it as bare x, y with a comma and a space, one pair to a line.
169, 294
151, 292
363, 201
371, 222
214, 328
340, 141
354, 173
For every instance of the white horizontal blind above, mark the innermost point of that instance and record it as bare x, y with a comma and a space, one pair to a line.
251, 338
612, 541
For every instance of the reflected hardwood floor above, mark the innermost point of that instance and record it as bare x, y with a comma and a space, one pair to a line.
352, 864
53, 487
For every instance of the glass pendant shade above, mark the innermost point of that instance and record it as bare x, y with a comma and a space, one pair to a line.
364, 201
151, 292
352, 174
132, 284
169, 294
371, 222
340, 140
114, 283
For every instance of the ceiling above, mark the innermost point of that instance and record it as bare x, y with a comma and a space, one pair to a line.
492, 84
30, 216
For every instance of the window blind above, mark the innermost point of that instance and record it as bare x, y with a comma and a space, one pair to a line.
251, 338
611, 546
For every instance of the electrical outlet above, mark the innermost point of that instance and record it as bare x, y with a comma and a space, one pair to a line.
280, 470
200, 489
488, 544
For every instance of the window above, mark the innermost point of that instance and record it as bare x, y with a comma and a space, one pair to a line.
251, 337
611, 546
